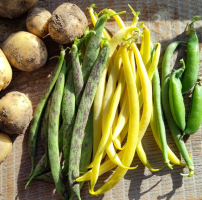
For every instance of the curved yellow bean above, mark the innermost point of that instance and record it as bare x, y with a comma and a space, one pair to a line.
152, 68
122, 135
105, 167
141, 47
146, 48
142, 155
114, 106
131, 144
123, 117
94, 20
147, 93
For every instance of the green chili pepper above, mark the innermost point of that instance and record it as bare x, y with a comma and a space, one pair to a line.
175, 97
195, 113
166, 107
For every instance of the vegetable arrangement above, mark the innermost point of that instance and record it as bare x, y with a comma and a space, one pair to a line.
98, 105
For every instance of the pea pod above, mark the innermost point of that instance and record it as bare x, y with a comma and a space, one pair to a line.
192, 65
195, 113
166, 106
176, 99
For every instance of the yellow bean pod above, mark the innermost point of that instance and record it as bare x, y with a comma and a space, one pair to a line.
146, 48
143, 157
130, 148
147, 93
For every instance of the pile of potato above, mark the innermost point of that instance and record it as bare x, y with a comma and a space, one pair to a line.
65, 24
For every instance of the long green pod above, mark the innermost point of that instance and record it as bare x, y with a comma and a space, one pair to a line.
93, 47
195, 113
43, 164
166, 106
175, 97
34, 125
159, 116
68, 117
40, 168
82, 116
53, 135
77, 72
192, 63
86, 152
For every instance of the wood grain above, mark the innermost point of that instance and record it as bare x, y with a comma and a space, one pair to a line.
167, 21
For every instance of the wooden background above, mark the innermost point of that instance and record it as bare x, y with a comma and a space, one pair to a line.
166, 20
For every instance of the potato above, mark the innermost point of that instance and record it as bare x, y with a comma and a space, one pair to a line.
67, 23
5, 71
15, 113
16, 8
37, 21
25, 51
5, 146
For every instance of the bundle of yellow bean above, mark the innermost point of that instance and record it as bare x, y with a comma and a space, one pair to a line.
117, 104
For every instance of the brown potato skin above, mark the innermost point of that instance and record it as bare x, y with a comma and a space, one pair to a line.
16, 8
15, 113
37, 21
25, 51
68, 22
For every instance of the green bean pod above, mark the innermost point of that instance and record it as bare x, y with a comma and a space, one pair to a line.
93, 49
195, 113
159, 116
34, 125
166, 107
53, 135
176, 99
68, 115
82, 117
192, 65
85, 153
77, 72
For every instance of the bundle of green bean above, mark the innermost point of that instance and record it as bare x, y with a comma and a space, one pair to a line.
67, 119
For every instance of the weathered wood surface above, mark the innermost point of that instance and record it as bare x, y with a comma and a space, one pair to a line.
167, 21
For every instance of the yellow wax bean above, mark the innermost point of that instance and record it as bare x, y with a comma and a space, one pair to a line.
131, 144
123, 117
141, 154
105, 167
146, 48
147, 93
94, 20
152, 68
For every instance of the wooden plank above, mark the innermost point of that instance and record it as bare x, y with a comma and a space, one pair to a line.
167, 21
